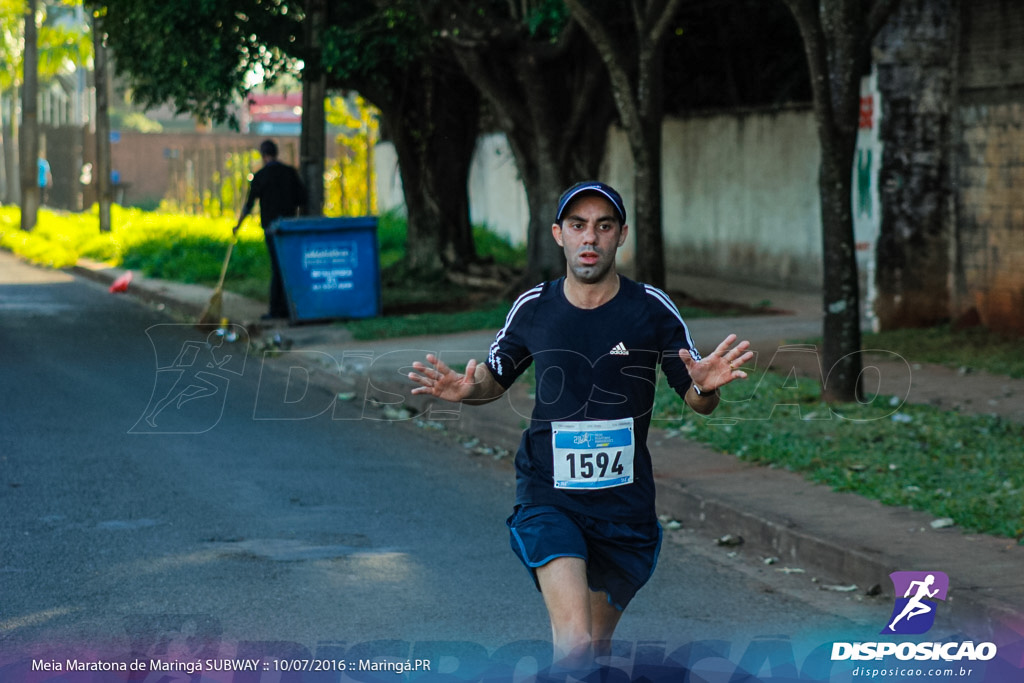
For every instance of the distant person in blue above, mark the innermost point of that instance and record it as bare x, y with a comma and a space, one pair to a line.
584, 522
281, 194
45, 180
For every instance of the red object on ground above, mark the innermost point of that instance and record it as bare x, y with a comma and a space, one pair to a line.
121, 283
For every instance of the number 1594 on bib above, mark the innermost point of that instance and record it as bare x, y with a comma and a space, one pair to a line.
608, 465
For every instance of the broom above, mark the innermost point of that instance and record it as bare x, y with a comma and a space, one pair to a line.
212, 314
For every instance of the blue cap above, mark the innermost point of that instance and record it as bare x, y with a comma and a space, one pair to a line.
591, 186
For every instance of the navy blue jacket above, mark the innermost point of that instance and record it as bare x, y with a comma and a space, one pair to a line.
597, 364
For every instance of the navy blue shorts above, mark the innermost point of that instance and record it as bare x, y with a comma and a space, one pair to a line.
620, 557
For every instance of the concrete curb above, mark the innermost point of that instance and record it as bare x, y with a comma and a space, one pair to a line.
184, 300
105, 276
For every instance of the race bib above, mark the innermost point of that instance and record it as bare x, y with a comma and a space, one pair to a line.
592, 454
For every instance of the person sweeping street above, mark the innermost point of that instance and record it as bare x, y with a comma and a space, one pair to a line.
281, 194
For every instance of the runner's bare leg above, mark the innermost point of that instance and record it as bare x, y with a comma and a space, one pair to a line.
582, 621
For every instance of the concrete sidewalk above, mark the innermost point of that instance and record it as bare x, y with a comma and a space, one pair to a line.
776, 512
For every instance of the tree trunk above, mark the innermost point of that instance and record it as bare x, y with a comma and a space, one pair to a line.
544, 179
28, 137
434, 140
552, 104
547, 169
650, 243
841, 345
8, 110
423, 226
637, 87
313, 138
312, 142
4, 143
837, 37
437, 205
445, 178
104, 189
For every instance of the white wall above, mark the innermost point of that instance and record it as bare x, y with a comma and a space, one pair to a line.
496, 195
741, 198
740, 194
389, 180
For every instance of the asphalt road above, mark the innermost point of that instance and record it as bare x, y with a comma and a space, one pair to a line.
162, 492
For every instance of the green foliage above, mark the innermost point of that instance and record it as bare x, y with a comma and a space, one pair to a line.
185, 248
350, 179
403, 289
200, 55
369, 45
546, 19
391, 235
230, 186
166, 246
950, 465
137, 121
969, 349
60, 46
490, 317
391, 238
495, 246
37, 246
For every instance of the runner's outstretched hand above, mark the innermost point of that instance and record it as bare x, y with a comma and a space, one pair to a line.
719, 367
442, 382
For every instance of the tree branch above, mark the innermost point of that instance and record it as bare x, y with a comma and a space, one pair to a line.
583, 107
493, 89
805, 12
638, 19
606, 47
454, 22
622, 88
662, 23
559, 47
878, 15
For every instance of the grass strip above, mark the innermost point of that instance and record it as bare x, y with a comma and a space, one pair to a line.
967, 468
490, 317
975, 348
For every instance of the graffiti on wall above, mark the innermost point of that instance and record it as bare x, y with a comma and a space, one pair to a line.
866, 209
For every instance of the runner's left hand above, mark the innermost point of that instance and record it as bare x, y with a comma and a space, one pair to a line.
719, 367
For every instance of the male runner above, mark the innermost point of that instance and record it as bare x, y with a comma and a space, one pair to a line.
584, 521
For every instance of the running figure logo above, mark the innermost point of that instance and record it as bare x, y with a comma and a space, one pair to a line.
914, 613
192, 378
